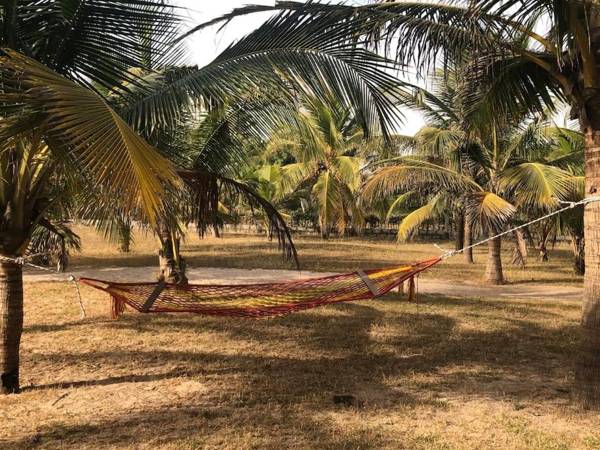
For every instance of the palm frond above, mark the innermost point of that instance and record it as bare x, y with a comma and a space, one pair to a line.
412, 172
347, 169
418, 33
510, 85
413, 220
439, 142
398, 203
295, 174
491, 211
289, 50
537, 185
97, 43
83, 130
204, 205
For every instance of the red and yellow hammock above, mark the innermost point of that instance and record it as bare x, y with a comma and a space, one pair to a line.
257, 300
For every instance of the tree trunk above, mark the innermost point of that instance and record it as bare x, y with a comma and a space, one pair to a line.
529, 237
578, 244
468, 240
588, 364
543, 252
172, 265
493, 270
125, 235
459, 230
11, 325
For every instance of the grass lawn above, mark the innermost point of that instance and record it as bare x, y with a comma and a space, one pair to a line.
334, 255
450, 372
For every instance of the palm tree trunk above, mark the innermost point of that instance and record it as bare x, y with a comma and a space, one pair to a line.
588, 364
125, 235
529, 237
578, 244
493, 270
543, 247
11, 325
171, 264
459, 230
468, 240
543, 252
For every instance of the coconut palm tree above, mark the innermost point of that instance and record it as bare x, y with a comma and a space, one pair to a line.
324, 147
55, 126
490, 169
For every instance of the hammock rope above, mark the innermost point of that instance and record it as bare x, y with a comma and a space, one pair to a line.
273, 299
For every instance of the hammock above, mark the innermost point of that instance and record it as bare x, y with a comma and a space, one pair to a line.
257, 300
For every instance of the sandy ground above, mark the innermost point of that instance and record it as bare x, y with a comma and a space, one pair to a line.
241, 276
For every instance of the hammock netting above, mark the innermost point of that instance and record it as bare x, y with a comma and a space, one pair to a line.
257, 300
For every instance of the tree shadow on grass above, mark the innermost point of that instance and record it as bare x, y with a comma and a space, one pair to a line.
339, 352
384, 353
522, 362
202, 426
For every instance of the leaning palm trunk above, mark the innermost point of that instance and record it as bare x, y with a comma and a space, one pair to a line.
11, 325
543, 247
588, 365
468, 240
493, 271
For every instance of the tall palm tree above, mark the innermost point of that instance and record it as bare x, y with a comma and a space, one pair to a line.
528, 68
501, 170
324, 146
504, 162
73, 105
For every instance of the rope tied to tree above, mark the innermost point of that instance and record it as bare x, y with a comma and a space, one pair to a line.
570, 205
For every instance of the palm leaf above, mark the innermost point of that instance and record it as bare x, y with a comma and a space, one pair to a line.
289, 50
418, 33
411, 173
491, 211
414, 220
204, 205
398, 203
96, 43
537, 185
82, 129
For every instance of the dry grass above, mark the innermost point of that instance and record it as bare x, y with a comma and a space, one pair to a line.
244, 251
447, 373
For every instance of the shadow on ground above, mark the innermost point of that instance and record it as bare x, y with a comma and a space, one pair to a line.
386, 354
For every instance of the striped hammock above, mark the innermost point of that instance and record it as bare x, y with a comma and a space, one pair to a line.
257, 300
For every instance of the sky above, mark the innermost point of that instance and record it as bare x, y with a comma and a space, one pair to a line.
205, 45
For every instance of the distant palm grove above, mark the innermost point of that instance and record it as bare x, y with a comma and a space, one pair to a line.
294, 127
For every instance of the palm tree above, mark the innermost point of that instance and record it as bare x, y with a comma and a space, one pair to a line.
492, 169
527, 68
72, 105
45, 135
325, 148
